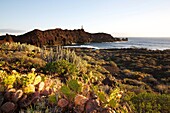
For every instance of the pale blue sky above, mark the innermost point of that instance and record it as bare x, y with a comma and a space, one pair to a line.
117, 17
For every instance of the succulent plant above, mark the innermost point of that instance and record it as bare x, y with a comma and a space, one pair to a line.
29, 89
9, 81
37, 80
67, 92
52, 99
41, 86
27, 79
73, 85
17, 95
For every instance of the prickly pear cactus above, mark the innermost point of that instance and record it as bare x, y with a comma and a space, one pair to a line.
73, 85
29, 89
37, 80
9, 81
67, 92
27, 79
52, 98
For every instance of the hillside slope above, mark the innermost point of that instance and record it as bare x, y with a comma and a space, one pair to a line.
59, 37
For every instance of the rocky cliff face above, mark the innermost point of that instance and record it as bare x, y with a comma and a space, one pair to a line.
59, 37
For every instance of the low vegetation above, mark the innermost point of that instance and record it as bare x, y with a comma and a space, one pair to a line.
56, 80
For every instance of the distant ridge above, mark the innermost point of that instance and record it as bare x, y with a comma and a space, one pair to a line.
59, 37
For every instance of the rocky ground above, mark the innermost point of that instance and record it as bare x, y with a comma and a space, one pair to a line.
130, 66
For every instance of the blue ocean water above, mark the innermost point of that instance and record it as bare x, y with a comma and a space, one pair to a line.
149, 43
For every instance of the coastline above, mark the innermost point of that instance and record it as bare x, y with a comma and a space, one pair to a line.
134, 43
96, 48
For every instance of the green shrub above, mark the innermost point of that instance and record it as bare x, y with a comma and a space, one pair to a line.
149, 103
61, 67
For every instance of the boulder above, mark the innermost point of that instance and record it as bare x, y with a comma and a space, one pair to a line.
8, 107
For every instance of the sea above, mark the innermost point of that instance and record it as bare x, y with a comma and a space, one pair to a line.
133, 42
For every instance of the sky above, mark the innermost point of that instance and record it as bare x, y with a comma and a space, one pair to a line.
120, 18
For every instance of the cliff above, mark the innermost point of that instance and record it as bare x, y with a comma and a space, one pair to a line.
59, 37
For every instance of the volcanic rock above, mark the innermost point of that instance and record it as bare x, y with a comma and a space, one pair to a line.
8, 107
58, 37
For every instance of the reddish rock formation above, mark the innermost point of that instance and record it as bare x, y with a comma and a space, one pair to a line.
58, 37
